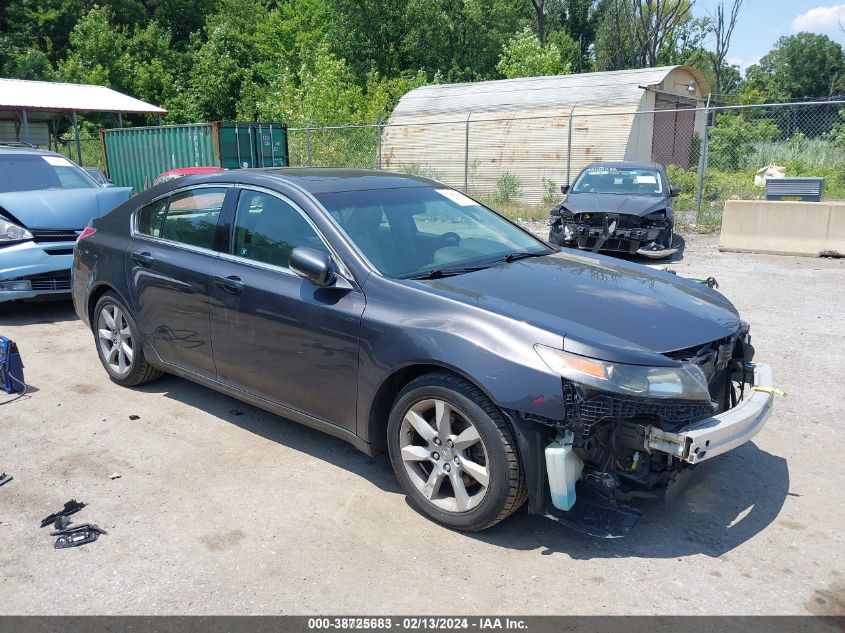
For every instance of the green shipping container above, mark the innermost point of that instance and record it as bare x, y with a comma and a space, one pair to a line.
135, 156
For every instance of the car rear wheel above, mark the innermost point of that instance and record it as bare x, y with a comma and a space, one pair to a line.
454, 454
119, 345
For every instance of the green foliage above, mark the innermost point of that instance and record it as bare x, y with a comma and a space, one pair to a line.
801, 66
836, 134
551, 193
799, 155
732, 140
507, 188
524, 56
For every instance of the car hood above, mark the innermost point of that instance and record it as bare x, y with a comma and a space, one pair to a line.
611, 203
606, 308
61, 208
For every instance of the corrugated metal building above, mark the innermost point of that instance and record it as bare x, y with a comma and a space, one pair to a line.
474, 133
30, 111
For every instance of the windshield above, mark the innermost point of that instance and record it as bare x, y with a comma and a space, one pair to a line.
406, 232
616, 180
35, 172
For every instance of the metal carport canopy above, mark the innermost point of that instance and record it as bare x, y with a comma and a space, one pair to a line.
21, 97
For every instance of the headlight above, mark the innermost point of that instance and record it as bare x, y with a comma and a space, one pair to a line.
10, 232
686, 382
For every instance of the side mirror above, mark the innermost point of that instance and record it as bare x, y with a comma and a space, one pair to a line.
313, 265
564, 188
674, 191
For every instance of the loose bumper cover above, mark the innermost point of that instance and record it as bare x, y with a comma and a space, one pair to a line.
721, 433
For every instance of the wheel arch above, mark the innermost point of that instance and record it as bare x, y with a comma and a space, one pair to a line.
94, 296
390, 387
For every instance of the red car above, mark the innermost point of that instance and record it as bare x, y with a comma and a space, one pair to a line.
184, 171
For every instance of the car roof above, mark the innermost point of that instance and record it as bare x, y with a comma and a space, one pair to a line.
319, 180
624, 164
17, 149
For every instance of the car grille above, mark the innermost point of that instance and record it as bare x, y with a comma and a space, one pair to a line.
50, 281
63, 235
51, 284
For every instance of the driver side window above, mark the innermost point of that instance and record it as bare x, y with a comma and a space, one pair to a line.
267, 229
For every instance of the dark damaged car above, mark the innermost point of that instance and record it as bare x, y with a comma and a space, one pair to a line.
399, 314
617, 207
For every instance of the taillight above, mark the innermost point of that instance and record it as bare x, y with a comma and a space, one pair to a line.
88, 231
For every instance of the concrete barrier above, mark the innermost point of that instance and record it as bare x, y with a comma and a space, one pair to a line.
783, 228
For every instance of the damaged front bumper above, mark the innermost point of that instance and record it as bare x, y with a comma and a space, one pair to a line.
614, 232
721, 433
599, 509
658, 253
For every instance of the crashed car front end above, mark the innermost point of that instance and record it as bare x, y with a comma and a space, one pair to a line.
634, 432
648, 235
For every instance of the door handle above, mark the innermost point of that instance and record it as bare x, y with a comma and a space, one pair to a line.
232, 284
144, 259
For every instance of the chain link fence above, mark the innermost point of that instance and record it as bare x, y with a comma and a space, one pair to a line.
517, 164
90, 147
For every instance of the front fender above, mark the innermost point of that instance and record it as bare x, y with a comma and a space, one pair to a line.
493, 352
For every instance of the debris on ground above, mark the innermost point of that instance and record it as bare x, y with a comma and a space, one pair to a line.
71, 507
134, 417
4, 478
77, 535
115, 476
61, 522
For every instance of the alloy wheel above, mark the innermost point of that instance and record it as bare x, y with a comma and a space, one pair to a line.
444, 456
115, 339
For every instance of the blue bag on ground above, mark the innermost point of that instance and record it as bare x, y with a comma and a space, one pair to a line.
11, 367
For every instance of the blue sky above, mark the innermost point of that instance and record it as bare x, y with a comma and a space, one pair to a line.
762, 22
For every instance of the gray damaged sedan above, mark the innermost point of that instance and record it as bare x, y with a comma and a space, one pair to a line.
401, 315
620, 207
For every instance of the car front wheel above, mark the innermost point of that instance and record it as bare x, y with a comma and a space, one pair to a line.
454, 454
119, 344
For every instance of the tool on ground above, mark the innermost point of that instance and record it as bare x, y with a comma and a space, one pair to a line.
4, 478
71, 507
77, 535
11, 367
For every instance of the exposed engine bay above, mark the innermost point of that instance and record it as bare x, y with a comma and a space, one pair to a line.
620, 448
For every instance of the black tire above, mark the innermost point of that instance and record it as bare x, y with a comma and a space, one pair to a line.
140, 371
507, 489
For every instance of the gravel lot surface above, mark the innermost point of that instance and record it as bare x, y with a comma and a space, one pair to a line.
221, 508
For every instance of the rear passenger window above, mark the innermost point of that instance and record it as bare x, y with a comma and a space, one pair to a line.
150, 218
267, 229
192, 215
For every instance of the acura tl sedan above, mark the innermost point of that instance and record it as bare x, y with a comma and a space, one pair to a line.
401, 315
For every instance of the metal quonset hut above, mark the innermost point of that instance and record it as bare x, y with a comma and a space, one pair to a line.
30, 110
543, 130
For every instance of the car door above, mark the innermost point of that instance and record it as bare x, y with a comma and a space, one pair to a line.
169, 265
277, 335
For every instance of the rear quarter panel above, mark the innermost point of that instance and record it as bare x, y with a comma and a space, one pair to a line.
99, 260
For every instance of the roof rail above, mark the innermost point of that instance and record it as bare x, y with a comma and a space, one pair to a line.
17, 144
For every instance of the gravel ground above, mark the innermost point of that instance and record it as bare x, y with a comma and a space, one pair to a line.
221, 508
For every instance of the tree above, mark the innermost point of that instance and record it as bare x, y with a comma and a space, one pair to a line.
654, 24
616, 48
801, 66
540, 13
579, 18
525, 56
722, 31
642, 33
223, 65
